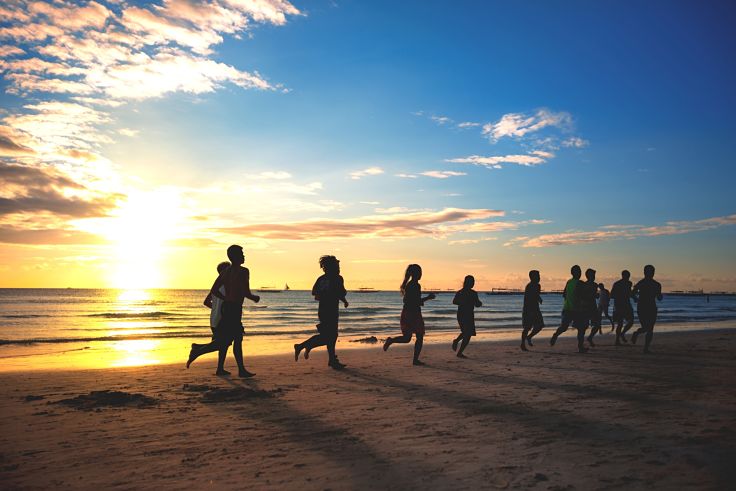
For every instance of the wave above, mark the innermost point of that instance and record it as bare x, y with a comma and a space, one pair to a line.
135, 315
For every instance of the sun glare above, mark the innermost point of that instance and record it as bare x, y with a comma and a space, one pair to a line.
140, 232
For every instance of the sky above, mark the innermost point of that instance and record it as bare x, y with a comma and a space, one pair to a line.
139, 139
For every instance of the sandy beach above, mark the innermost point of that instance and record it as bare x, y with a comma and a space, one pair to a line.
547, 419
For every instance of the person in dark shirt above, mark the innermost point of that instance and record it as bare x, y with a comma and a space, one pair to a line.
571, 312
466, 300
588, 306
531, 315
601, 311
329, 290
411, 315
646, 293
623, 314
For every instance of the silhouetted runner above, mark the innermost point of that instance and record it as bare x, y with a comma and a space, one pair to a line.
411, 315
531, 315
623, 314
329, 290
588, 306
604, 298
646, 294
236, 280
466, 300
571, 313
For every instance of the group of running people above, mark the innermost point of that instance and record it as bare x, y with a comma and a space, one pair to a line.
586, 303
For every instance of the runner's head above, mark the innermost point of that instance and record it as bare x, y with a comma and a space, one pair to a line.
590, 274
469, 282
222, 267
575, 271
601, 286
534, 276
648, 271
235, 254
625, 274
329, 264
413, 271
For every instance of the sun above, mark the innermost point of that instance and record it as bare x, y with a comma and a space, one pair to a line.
141, 230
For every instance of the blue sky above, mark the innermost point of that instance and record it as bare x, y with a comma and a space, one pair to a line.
628, 106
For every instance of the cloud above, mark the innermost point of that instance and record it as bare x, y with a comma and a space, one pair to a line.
617, 232
441, 120
442, 174
273, 175
10, 148
495, 162
370, 171
128, 132
8, 51
517, 125
30, 189
575, 142
471, 241
19, 235
396, 225
467, 124
403, 175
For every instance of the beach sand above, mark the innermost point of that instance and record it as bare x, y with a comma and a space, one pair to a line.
503, 419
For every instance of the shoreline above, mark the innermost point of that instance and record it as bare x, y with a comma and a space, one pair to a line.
502, 419
173, 351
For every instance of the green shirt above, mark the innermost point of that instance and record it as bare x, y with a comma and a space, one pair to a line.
570, 300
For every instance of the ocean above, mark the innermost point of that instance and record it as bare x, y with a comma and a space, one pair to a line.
57, 322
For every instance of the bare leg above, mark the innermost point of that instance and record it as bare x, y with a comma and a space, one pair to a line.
404, 338
456, 340
524, 337
418, 349
463, 345
581, 341
238, 353
221, 355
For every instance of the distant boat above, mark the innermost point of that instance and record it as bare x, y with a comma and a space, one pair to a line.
286, 288
269, 289
364, 289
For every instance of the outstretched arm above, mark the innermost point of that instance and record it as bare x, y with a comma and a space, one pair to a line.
343, 292
215, 290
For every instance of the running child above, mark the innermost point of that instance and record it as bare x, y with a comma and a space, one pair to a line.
531, 315
412, 322
466, 300
329, 291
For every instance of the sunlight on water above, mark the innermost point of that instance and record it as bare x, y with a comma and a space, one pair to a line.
134, 352
134, 296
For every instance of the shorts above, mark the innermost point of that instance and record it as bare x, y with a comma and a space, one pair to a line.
581, 321
467, 326
230, 327
328, 322
532, 320
623, 313
647, 317
412, 322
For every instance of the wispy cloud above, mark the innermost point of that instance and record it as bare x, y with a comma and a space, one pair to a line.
467, 124
394, 225
370, 171
497, 161
575, 142
404, 175
517, 125
441, 120
617, 232
442, 174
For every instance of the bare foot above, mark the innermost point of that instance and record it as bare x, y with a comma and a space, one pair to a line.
222, 373
386, 344
245, 374
418, 363
192, 355
454, 345
306, 353
523, 347
297, 349
460, 355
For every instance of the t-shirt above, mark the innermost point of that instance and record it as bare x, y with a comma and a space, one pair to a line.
216, 312
586, 296
413, 296
620, 293
531, 297
329, 290
466, 301
648, 290
571, 303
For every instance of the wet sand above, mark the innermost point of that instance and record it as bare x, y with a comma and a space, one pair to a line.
550, 419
